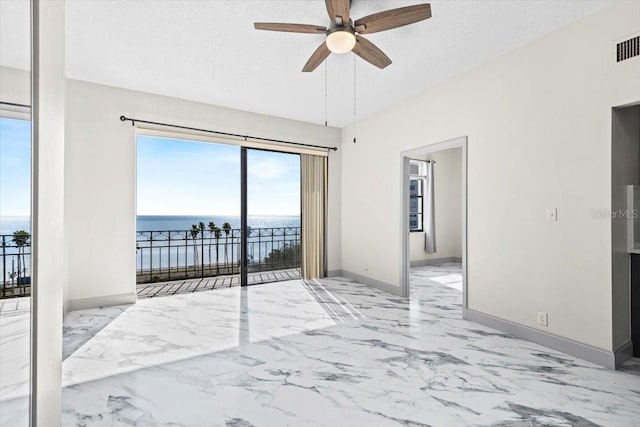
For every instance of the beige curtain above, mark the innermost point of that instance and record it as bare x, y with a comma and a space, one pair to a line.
314, 207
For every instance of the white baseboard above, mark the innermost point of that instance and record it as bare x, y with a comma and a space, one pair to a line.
434, 261
608, 359
103, 301
378, 284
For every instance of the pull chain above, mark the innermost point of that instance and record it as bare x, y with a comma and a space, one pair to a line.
326, 109
354, 100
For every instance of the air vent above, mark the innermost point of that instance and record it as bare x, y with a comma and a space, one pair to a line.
628, 49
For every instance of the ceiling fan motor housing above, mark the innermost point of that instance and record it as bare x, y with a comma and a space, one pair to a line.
341, 38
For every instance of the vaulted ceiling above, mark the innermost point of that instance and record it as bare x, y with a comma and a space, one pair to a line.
208, 51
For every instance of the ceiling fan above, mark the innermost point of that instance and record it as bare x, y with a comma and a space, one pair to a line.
343, 35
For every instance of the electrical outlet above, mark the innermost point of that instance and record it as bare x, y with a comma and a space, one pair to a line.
543, 318
552, 214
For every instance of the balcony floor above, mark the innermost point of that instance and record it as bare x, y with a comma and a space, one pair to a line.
150, 290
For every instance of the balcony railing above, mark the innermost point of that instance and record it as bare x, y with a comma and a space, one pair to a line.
172, 255
15, 265
186, 254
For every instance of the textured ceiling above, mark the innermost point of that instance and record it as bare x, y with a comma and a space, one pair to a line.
208, 51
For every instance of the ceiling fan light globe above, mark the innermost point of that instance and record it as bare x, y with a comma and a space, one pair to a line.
341, 41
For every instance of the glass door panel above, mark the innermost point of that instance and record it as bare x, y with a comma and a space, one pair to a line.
188, 216
273, 216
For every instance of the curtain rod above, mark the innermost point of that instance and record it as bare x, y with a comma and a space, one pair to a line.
13, 104
134, 121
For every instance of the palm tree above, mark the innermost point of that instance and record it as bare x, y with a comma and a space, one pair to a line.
216, 234
201, 227
21, 239
195, 230
227, 228
212, 227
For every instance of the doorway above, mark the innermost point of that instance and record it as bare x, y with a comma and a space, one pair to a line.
195, 198
625, 231
434, 215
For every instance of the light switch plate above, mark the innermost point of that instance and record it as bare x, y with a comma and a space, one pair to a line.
543, 318
552, 214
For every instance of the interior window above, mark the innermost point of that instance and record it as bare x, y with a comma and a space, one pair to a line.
416, 196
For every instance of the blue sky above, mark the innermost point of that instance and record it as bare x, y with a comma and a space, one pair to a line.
15, 167
174, 177
193, 178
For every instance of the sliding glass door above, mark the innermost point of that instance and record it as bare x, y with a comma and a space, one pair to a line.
194, 199
273, 216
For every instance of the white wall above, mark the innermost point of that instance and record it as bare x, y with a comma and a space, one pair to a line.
48, 267
100, 180
448, 208
15, 86
538, 122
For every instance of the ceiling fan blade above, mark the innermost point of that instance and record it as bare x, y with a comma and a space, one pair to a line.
393, 18
370, 53
316, 59
338, 8
290, 28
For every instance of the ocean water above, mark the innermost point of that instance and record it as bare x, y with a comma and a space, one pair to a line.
10, 224
166, 223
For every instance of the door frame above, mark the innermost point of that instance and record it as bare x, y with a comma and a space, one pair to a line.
244, 208
405, 156
244, 262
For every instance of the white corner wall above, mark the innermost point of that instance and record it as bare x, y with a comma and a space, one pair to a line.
448, 209
538, 121
15, 86
101, 179
48, 263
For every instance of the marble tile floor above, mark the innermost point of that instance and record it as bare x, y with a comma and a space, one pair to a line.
15, 316
632, 367
12, 305
14, 353
327, 352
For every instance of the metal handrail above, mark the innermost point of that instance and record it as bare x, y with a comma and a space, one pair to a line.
164, 255
15, 266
